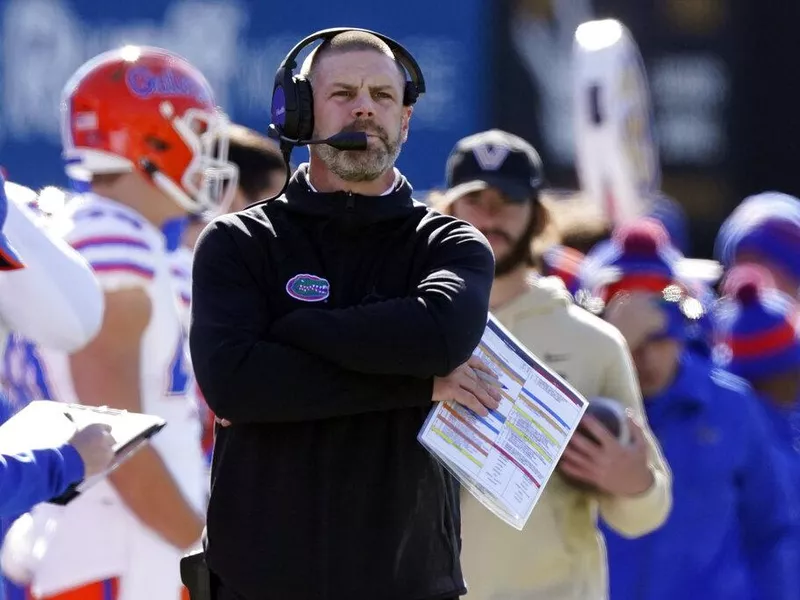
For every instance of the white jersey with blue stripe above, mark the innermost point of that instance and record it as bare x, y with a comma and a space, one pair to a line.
181, 271
98, 537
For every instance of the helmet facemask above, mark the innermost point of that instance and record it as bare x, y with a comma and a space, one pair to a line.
209, 182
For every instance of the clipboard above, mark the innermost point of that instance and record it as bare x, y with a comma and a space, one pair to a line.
49, 424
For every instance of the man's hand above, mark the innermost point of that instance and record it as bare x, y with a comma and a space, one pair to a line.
466, 387
608, 465
95, 444
637, 316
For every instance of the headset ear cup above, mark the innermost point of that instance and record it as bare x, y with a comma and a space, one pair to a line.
284, 104
410, 94
305, 108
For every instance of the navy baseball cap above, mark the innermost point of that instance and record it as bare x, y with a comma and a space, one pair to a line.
494, 159
9, 259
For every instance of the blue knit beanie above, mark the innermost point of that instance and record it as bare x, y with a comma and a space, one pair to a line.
755, 330
766, 225
640, 258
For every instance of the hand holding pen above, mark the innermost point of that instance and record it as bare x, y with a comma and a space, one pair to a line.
95, 444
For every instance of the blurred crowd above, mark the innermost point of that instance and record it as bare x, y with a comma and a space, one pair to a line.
704, 354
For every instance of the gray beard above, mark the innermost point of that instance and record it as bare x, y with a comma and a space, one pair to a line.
359, 165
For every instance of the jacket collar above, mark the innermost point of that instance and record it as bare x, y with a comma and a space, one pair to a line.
301, 197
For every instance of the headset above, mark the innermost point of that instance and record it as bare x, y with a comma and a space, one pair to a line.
293, 101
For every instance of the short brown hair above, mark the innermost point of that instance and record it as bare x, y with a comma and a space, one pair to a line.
349, 41
257, 157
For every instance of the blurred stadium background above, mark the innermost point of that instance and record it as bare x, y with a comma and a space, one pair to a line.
722, 78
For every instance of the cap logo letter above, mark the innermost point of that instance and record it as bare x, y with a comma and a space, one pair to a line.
490, 158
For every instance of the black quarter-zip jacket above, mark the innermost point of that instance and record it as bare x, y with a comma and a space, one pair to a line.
319, 321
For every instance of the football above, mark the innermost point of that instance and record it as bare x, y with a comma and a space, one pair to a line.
611, 414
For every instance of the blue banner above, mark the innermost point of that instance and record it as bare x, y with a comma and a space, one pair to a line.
238, 45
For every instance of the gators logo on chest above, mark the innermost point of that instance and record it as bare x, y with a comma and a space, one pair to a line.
308, 288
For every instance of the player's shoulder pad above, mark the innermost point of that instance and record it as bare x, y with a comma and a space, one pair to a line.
122, 248
88, 215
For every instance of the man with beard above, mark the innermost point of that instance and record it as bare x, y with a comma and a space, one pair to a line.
494, 180
324, 323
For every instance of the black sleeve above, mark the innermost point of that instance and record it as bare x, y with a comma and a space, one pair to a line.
246, 377
424, 335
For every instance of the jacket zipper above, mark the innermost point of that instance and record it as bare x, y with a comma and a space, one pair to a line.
343, 262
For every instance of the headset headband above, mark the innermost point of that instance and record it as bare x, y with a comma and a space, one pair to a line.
402, 55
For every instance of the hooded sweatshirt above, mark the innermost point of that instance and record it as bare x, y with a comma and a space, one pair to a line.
560, 553
319, 321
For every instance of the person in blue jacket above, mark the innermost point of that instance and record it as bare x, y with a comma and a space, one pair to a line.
758, 341
731, 534
699, 326
28, 478
36, 476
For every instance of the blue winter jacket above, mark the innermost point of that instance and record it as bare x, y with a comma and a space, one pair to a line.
732, 532
785, 423
32, 477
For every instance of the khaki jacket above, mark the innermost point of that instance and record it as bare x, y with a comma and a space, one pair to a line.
560, 553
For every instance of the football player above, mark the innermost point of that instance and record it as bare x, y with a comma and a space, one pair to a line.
140, 124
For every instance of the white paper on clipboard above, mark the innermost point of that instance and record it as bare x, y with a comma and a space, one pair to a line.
506, 459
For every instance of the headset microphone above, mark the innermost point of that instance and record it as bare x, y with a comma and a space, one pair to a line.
345, 140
